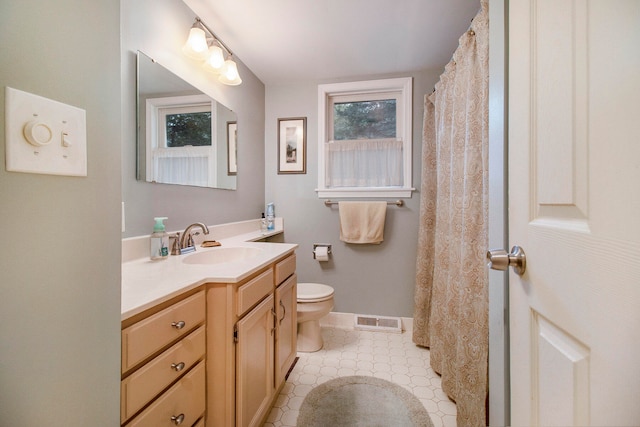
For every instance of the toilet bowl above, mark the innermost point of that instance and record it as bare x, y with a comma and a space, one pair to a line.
315, 301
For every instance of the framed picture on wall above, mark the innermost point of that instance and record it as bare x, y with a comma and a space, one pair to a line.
232, 148
292, 145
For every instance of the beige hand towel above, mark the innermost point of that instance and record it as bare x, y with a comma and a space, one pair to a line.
362, 222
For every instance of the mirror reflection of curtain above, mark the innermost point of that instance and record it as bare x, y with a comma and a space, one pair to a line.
451, 295
188, 166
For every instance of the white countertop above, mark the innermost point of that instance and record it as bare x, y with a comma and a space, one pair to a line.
146, 283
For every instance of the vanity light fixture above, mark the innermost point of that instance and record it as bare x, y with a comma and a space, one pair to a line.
229, 74
203, 45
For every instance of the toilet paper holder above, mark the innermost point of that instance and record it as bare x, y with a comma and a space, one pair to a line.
321, 245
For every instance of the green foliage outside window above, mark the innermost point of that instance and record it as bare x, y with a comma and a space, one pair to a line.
364, 120
188, 129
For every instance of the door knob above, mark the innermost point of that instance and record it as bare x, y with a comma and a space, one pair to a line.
499, 259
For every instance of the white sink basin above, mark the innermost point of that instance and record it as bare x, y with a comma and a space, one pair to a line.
222, 255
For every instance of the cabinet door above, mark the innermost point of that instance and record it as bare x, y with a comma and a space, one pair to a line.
254, 364
286, 331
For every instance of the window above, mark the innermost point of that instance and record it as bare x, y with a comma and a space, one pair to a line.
179, 140
364, 147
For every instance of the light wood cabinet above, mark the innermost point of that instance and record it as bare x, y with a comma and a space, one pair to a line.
163, 374
286, 310
254, 363
243, 333
182, 404
144, 384
255, 334
286, 332
253, 291
265, 344
154, 332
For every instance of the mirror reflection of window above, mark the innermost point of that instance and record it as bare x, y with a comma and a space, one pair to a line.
183, 129
180, 147
183, 134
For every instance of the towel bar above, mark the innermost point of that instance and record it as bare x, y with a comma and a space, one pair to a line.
399, 203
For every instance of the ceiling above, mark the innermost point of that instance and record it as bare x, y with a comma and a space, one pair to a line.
284, 41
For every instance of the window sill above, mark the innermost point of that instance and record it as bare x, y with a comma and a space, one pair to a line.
359, 192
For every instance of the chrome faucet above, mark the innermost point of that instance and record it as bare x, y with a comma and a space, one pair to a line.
186, 239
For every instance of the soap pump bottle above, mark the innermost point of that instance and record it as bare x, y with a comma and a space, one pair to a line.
263, 224
159, 240
271, 214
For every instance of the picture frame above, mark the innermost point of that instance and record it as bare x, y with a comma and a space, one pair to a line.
232, 148
292, 145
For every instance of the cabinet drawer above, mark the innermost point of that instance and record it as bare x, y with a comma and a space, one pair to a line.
151, 334
186, 398
285, 268
254, 290
145, 383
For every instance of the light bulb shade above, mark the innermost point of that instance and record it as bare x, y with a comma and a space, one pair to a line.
215, 62
196, 46
230, 75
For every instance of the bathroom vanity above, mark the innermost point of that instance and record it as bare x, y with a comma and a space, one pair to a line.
251, 339
208, 340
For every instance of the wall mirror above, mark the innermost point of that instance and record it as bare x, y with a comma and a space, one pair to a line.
184, 136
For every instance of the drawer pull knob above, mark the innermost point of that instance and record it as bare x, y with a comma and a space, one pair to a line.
177, 419
177, 366
178, 325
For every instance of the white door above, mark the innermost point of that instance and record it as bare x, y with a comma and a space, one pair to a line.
574, 207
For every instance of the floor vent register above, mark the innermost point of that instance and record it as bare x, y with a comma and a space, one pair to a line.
367, 322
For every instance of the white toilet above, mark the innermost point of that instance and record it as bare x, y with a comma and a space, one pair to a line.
315, 301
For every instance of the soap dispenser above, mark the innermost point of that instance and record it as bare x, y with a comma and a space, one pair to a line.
263, 224
271, 214
159, 240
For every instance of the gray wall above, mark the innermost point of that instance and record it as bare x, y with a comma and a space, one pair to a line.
60, 261
159, 28
368, 279
60, 256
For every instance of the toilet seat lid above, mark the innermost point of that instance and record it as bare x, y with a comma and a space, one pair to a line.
314, 291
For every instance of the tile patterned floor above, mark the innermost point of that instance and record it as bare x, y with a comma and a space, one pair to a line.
386, 355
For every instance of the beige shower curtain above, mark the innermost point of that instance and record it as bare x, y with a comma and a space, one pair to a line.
451, 296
